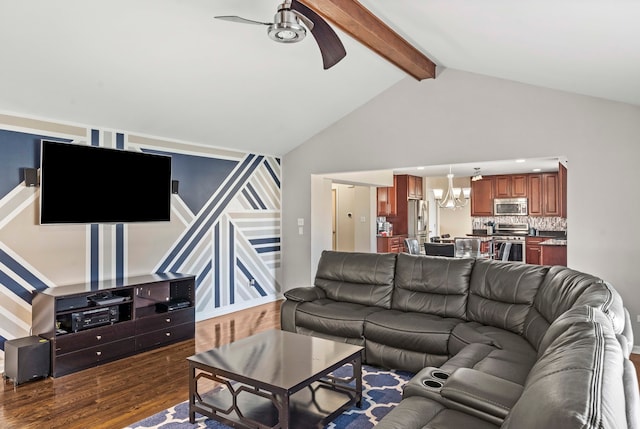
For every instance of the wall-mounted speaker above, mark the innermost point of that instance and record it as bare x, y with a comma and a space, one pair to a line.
30, 176
27, 359
174, 186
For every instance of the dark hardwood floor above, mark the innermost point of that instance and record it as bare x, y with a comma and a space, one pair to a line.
123, 392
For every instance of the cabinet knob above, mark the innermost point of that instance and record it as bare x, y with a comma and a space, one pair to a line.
168, 334
98, 337
168, 320
98, 353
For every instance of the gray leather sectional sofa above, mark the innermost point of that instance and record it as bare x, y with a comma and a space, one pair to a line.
492, 344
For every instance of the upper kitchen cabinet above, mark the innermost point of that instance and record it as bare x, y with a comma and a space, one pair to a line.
414, 188
408, 187
548, 193
510, 186
562, 198
387, 201
482, 197
535, 195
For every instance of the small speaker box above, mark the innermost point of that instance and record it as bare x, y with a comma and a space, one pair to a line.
174, 186
27, 359
30, 176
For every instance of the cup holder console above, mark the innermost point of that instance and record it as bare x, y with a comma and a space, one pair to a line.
440, 375
434, 379
432, 383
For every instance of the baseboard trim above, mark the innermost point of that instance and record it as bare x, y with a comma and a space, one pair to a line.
237, 307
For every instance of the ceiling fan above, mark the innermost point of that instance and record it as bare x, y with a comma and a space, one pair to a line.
289, 24
353, 19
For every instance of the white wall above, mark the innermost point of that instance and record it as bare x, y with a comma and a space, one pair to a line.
345, 224
456, 223
463, 117
355, 233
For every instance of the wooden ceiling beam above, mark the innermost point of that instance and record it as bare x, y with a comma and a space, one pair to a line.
362, 25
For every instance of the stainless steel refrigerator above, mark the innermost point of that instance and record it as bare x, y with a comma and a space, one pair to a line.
418, 220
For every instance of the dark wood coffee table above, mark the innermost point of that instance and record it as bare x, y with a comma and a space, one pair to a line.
276, 379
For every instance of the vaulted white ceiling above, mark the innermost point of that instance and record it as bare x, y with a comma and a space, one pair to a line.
168, 68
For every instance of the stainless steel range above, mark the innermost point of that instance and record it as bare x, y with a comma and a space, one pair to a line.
509, 242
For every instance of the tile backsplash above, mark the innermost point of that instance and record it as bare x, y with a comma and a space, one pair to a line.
539, 223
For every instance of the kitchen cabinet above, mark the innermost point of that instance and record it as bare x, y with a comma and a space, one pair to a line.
414, 188
510, 186
553, 254
547, 194
393, 203
535, 195
408, 187
562, 190
393, 244
550, 200
482, 197
386, 200
533, 250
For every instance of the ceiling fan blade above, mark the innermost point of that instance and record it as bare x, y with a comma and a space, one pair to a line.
358, 22
241, 20
331, 47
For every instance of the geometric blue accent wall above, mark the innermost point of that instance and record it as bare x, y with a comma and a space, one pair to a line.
224, 228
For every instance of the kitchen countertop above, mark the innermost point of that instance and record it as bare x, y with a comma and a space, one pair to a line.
562, 235
484, 237
553, 242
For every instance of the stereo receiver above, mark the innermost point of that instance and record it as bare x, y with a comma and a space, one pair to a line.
80, 320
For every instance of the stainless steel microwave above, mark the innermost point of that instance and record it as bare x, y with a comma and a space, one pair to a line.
510, 207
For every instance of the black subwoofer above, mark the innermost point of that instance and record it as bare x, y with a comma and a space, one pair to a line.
27, 359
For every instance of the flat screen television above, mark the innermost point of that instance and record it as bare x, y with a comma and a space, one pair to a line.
90, 184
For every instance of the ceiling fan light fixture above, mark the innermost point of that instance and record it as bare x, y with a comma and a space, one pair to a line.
286, 28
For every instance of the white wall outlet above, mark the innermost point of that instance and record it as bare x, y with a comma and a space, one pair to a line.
300, 230
300, 221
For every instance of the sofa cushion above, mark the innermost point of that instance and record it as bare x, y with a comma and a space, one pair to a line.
468, 333
577, 381
343, 319
500, 353
432, 285
383, 356
410, 331
502, 293
360, 278
563, 289
416, 412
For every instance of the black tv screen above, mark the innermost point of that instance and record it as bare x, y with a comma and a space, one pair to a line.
90, 184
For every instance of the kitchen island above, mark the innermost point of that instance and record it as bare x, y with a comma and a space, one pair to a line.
553, 252
390, 243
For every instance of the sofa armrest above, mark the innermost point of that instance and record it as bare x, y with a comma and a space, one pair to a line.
483, 392
303, 294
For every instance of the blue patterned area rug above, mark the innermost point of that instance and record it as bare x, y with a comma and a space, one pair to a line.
381, 391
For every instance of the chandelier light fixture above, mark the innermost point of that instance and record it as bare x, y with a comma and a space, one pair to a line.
476, 175
454, 198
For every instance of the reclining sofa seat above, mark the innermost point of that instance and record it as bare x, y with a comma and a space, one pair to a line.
348, 288
576, 382
415, 312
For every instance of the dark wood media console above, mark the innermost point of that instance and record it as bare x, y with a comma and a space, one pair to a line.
89, 325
